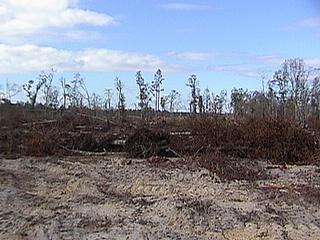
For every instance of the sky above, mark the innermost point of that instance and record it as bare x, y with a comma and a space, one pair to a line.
226, 43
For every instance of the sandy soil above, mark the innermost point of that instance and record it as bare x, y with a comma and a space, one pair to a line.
118, 198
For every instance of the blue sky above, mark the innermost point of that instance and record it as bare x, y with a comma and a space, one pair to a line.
226, 43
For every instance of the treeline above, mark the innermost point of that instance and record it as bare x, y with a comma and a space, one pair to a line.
75, 94
292, 93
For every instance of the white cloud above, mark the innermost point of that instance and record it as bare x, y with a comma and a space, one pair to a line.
27, 17
277, 60
184, 6
270, 59
190, 56
309, 23
313, 62
245, 70
198, 56
312, 23
30, 58
260, 65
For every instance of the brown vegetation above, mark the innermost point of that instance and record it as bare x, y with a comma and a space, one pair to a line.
39, 133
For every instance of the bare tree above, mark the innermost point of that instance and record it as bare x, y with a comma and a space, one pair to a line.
47, 79
173, 96
271, 103
108, 93
280, 86
298, 78
219, 101
200, 104
79, 92
144, 96
193, 84
206, 99
2, 94
53, 97
156, 88
291, 86
256, 104
222, 101
76, 97
163, 102
66, 91
315, 98
121, 98
96, 101
33, 90
11, 90
86, 92
239, 100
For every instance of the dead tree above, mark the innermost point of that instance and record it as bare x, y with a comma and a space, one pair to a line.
108, 93
156, 88
48, 91
173, 96
121, 98
33, 90
193, 84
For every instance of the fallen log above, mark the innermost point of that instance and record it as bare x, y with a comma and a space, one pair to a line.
179, 133
34, 123
84, 153
175, 153
281, 187
96, 118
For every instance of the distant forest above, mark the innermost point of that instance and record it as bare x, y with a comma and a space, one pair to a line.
292, 93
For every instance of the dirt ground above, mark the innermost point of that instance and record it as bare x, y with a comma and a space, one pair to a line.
113, 197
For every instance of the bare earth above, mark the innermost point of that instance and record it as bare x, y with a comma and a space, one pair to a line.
118, 198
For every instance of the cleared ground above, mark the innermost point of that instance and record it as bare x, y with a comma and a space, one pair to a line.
113, 197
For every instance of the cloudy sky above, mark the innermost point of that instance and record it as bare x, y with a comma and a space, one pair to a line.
226, 43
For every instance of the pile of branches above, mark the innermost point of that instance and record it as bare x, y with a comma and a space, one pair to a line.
144, 143
63, 134
280, 141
